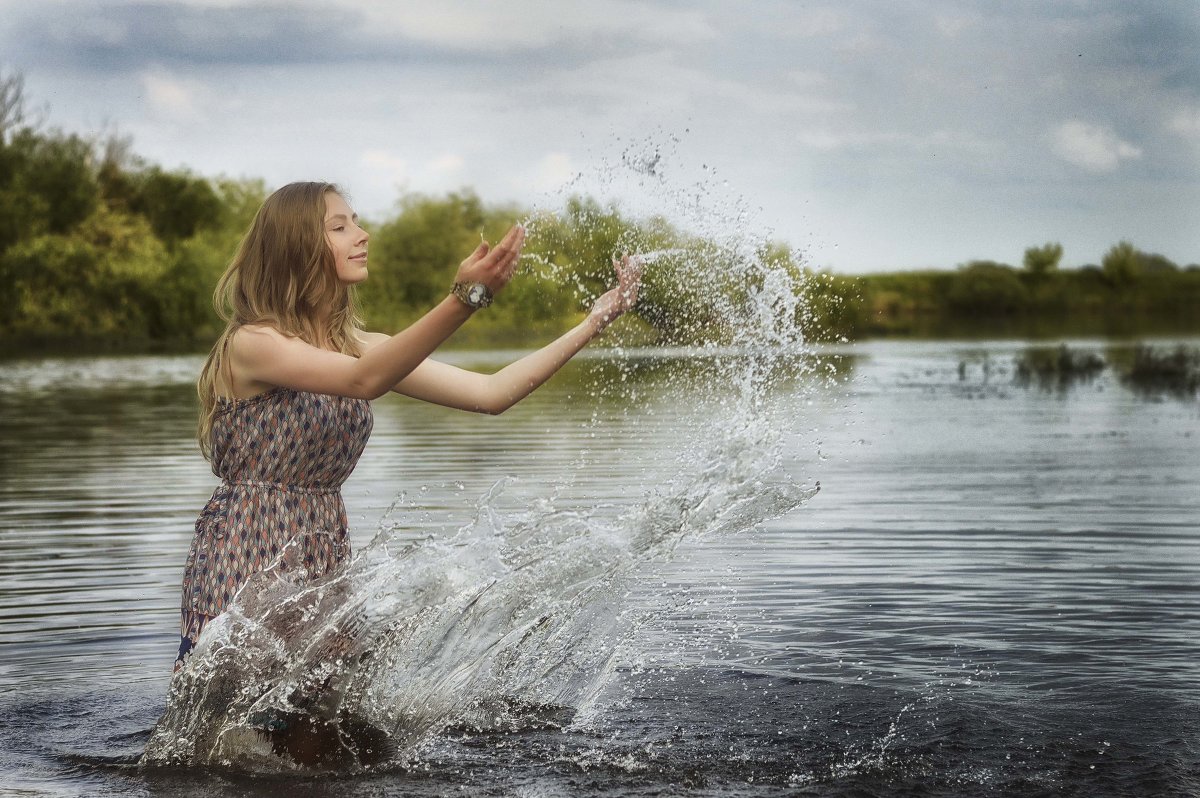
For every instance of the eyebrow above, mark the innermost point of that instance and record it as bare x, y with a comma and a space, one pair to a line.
341, 216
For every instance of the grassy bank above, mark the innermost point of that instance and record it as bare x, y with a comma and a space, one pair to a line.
998, 301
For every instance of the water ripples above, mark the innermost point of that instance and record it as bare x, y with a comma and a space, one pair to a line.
1009, 581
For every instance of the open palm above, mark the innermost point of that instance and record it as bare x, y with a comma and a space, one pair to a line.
611, 304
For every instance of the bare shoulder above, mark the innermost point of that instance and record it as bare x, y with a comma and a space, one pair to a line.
255, 349
257, 333
254, 340
262, 357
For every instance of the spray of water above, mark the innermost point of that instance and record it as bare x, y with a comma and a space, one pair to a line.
514, 619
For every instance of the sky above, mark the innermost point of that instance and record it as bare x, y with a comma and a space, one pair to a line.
870, 135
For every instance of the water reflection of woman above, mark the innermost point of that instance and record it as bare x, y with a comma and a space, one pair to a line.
285, 392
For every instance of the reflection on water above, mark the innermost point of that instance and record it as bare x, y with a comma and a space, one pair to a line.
1060, 368
997, 589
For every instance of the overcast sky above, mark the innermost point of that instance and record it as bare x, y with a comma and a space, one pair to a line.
873, 135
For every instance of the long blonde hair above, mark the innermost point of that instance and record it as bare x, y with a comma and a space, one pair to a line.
283, 276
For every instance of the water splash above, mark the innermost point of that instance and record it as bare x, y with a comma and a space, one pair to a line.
653, 255
514, 619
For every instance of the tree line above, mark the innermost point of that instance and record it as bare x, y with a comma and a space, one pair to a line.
100, 247
1130, 292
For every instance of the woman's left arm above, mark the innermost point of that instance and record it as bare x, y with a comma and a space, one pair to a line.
450, 386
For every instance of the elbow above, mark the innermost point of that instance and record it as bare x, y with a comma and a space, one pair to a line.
493, 409
369, 390
370, 382
495, 405
381, 390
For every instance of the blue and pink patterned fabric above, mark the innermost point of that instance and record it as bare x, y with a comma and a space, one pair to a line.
282, 457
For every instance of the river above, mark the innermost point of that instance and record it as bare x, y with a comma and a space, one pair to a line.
996, 589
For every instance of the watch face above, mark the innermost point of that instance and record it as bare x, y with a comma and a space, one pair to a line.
475, 294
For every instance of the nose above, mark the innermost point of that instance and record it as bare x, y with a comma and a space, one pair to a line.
364, 237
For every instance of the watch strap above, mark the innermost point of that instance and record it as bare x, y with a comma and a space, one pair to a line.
481, 299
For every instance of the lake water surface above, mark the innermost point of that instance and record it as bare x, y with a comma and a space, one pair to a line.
995, 591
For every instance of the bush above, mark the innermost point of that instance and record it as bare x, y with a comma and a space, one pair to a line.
1121, 264
46, 185
1056, 367
1040, 261
987, 288
1172, 371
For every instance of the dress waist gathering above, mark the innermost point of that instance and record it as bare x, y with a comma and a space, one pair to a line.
282, 486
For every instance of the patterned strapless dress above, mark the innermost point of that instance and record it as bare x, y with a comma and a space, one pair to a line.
282, 457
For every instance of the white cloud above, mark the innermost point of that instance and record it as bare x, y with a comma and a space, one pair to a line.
809, 22
174, 98
1186, 123
448, 165
1091, 147
809, 98
388, 173
386, 167
826, 139
653, 79
485, 26
951, 25
551, 173
830, 138
809, 79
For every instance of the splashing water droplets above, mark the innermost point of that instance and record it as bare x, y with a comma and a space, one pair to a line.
519, 617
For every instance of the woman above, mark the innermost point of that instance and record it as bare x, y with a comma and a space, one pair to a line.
284, 394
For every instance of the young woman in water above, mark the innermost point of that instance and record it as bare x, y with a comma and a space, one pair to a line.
285, 392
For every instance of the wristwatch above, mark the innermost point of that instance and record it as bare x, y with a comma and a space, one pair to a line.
473, 295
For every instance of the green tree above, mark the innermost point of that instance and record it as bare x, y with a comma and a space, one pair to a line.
12, 104
46, 184
177, 204
197, 262
103, 279
1121, 264
415, 255
986, 288
1154, 263
582, 240
1040, 261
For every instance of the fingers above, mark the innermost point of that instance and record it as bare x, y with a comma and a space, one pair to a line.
494, 266
615, 302
503, 257
518, 234
629, 277
628, 263
632, 272
475, 256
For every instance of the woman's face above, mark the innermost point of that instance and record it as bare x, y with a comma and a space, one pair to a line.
347, 240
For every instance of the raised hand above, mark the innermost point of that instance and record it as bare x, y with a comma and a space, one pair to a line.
493, 266
616, 301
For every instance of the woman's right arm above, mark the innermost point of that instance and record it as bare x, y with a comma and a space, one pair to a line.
263, 358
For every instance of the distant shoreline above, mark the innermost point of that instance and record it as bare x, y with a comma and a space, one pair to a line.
484, 340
